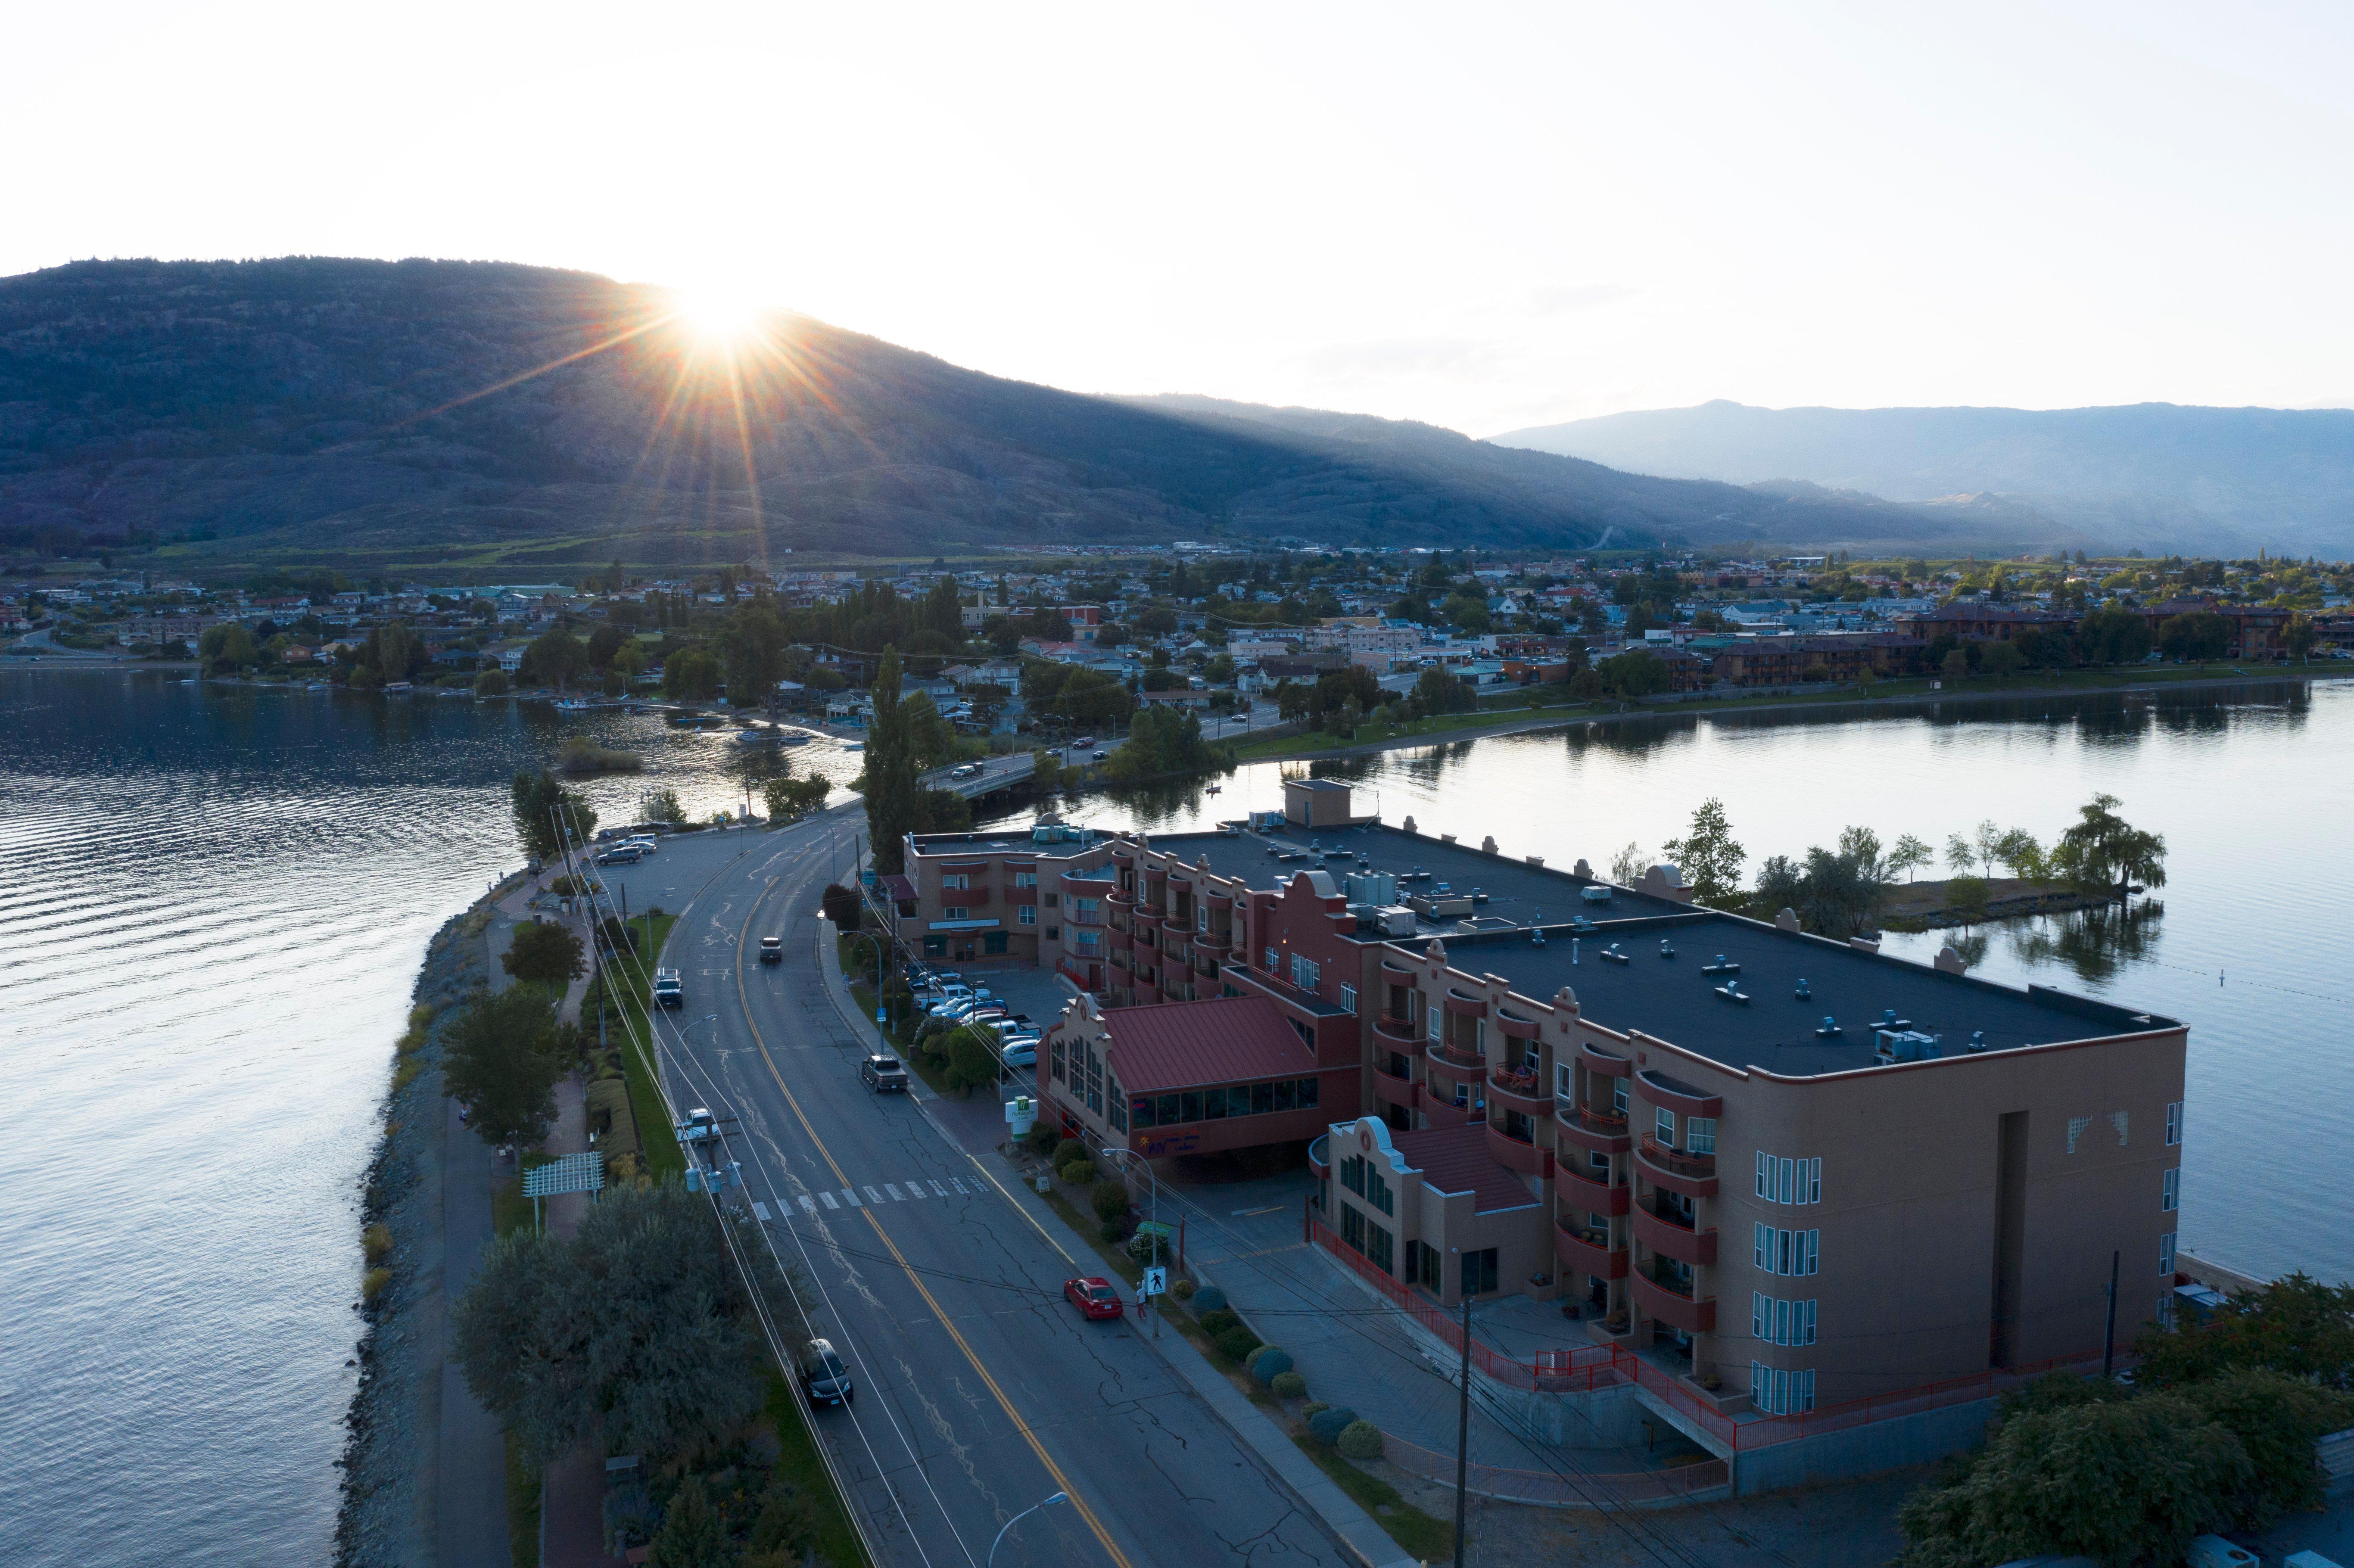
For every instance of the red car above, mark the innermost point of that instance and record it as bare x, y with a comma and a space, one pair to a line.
1094, 1296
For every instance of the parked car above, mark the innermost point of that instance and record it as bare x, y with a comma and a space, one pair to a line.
646, 842
772, 949
882, 1074
824, 1377
1094, 1296
623, 855
1022, 1051
1100, 756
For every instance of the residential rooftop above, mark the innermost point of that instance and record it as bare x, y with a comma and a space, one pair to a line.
1676, 999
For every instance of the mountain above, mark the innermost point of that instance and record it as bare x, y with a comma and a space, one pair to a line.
497, 419
2156, 475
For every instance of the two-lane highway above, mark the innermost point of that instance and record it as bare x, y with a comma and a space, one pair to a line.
979, 1390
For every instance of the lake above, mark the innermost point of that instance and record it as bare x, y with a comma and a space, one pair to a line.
221, 896
218, 902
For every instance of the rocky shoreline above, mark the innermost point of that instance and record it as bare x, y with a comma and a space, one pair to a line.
392, 1430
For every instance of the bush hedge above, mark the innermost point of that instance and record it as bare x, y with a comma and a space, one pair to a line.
1209, 1298
1236, 1344
1361, 1441
1217, 1322
1328, 1425
1111, 1198
1289, 1384
1269, 1362
1184, 1290
1070, 1150
1078, 1174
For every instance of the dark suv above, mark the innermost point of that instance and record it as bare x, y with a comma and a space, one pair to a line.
882, 1074
824, 1377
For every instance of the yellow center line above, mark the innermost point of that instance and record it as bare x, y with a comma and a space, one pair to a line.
1061, 1481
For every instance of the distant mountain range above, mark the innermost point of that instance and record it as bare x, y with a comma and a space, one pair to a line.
2201, 480
493, 417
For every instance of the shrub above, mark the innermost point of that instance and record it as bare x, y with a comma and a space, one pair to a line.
373, 1285
1070, 1150
841, 905
1270, 1363
1111, 1198
1328, 1425
1209, 1298
1361, 1441
1109, 1230
1143, 1245
375, 1241
1966, 895
1042, 1137
1184, 1290
1078, 1174
1236, 1344
1217, 1322
1289, 1384
1312, 1409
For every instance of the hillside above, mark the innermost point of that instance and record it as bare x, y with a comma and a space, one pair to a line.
483, 417
2156, 475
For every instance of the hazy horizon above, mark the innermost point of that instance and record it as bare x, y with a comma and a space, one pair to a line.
1484, 221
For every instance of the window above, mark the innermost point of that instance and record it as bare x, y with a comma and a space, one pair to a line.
1308, 1092
1262, 1099
1700, 1134
1140, 1108
1053, 933
1779, 1392
1190, 1106
2164, 1317
1785, 1251
1618, 1096
1052, 899
2118, 1120
1377, 1192
1169, 1109
1058, 1059
1434, 1022
2166, 1253
992, 942
1479, 1272
1025, 914
1666, 1123
2076, 1126
1118, 1103
956, 912
1305, 972
1779, 1322
2169, 1193
1348, 998
1238, 1100
1270, 966
1083, 909
1213, 1104
936, 947
1352, 1174
954, 881
1352, 1226
2174, 1124
1377, 1249
1422, 1266
1025, 879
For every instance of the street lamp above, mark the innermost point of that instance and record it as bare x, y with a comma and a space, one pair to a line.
1017, 1518
1118, 1156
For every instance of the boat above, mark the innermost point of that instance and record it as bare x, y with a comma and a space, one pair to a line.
756, 738
1215, 789
853, 746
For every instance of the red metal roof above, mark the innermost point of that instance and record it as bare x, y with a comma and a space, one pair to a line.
1456, 1159
1186, 1045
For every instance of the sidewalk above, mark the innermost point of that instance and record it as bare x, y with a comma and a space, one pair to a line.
572, 1490
471, 1497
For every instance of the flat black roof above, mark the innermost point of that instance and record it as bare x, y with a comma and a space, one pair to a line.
1674, 1000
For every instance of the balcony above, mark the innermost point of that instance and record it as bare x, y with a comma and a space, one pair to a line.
1580, 1191
1393, 1091
1519, 1091
1670, 1238
1148, 918
1456, 1064
1658, 1090
1517, 1153
1514, 1027
1390, 1026
1466, 1006
1580, 1253
1440, 1112
1599, 1131
1665, 1304
1606, 1064
1693, 1175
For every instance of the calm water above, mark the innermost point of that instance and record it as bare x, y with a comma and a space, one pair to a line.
2251, 789
217, 904
219, 900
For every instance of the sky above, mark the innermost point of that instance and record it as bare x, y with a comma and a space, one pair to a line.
1485, 217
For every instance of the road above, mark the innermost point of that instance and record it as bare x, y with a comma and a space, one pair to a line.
980, 1390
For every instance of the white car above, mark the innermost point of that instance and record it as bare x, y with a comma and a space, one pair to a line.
1022, 1051
956, 1011
950, 996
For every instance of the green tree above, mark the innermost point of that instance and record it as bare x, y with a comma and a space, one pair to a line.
2297, 1325
554, 658
661, 805
1708, 856
2018, 850
691, 674
2104, 852
1909, 855
227, 646
501, 1056
2201, 635
694, 1533
548, 817
2299, 636
1998, 659
636, 1324
392, 652
1164, 741
1468, 611
894, 795
1438, 690
2113, 635
754, 649
545, 953
492, 683
1634, 674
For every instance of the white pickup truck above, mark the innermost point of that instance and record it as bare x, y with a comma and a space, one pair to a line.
669, 990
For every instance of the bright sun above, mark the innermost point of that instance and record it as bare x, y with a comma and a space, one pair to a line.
719, 316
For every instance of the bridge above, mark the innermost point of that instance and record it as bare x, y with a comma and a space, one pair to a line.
996, 773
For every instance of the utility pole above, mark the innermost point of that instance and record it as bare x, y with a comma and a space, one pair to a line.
1463, 1433
2109, 1336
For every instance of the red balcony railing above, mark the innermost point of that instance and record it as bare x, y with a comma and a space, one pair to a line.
1515, 1152
1677, 1309
1579, 1249
1583, 1193
1589, 1128
1670, 1239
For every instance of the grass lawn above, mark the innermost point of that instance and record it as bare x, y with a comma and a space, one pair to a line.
522, 1505
798, 1463
658, 1139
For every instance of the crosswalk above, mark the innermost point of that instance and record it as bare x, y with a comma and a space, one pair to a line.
874, 1194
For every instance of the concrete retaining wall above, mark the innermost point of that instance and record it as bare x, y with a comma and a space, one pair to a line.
1861, 1450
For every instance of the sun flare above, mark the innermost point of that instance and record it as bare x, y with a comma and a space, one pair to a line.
719, 317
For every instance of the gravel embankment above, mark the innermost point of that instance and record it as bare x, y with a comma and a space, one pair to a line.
393, 1428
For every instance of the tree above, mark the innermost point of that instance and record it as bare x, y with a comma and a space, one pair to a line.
753, 649
1468, 611
227, 646
2104, 852
501, 1059
789, 798
1163, 741
605, 645
1437, 690
2201, 635
544, 953
1634, 674
694, 1533
893, 793
2297, 1325
548, 818
492, 683
661, 805
1956, 667
2299, 636
1909, 855
392, 652
1998, 659
1707, 855
1627, 867
2113, 635
1960, 854
636, 1322
691, 674
2018, 851
1833, 892
554, 658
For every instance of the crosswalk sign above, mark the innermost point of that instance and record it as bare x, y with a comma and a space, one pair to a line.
1156, 1281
